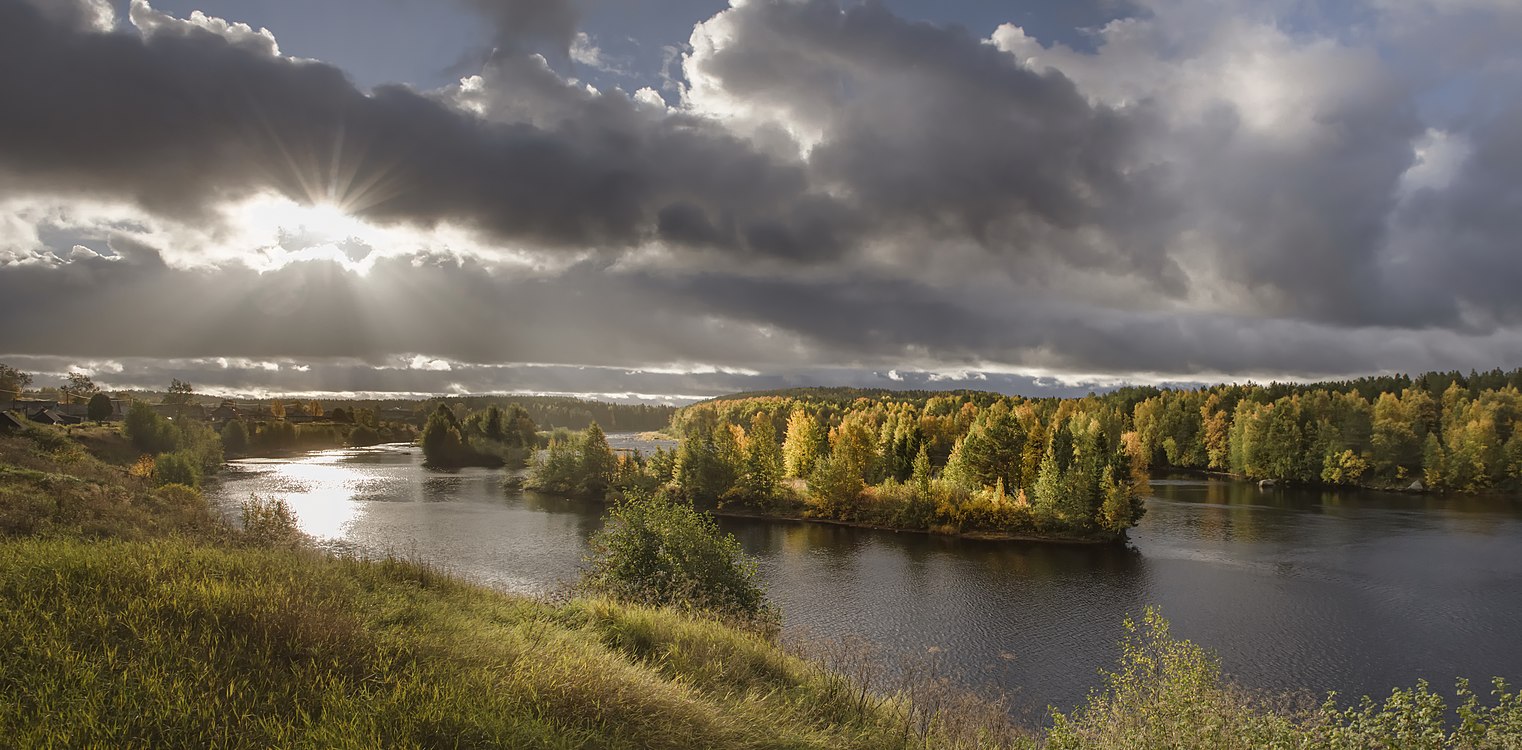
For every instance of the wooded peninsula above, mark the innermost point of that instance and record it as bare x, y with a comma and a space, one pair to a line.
984, 464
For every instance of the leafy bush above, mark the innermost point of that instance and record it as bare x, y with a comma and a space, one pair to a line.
363, 435
235, 437
659, 552
177, 468
1171, 693
269, 522
149, 432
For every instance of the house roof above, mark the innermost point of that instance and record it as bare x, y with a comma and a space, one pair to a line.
52, 416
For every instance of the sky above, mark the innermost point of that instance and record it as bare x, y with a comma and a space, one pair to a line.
674, 200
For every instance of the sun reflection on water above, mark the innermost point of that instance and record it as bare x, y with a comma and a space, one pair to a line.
326, 492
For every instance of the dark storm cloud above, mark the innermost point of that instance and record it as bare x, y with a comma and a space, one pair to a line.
463, 313
843, 194
182, 121
927, 127
1477, 223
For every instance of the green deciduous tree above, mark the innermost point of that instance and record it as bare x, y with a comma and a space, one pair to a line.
99, 409
13, 382
801, 447
235, 437
443, 445
79, 386
148, 432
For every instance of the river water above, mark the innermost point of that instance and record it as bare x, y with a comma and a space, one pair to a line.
1356, 592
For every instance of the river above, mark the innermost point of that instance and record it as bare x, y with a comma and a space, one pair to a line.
1351, 591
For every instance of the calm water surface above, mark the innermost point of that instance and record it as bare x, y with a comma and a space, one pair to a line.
1354, 591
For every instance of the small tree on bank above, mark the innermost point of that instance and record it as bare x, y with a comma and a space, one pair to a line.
659, 552
235, 438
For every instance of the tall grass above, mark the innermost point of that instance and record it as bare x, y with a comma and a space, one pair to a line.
171, 643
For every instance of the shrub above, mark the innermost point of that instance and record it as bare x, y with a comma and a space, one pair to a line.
576, 464
149, 432
235, 437
659, 552
177, 468
269, 522
363, 435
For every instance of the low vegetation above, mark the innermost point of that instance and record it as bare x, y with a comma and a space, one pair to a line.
658, 551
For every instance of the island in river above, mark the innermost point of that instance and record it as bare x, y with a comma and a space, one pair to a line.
985, 465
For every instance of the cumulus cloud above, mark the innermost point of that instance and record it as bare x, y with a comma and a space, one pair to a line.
1208, 190
153, 23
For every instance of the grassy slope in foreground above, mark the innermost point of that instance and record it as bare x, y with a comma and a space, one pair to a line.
197, 635
175, 644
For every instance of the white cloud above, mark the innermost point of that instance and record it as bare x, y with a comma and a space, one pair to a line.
150, 22
422, 362
1439, 157
584, 51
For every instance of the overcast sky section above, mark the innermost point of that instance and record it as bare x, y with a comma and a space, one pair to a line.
790, 193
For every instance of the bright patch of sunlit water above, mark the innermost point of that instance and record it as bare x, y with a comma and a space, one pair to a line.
1353, 591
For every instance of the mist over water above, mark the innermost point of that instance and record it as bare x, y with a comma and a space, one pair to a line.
1352, 591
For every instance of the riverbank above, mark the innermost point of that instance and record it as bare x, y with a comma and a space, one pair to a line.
983, 536
1415, 488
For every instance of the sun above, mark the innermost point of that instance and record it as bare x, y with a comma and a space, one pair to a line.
288, 231
310, 223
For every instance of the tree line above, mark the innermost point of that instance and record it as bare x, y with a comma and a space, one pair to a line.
1441, 431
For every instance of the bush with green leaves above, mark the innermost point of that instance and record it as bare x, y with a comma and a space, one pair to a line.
1171, 693
658, 551
149, 432
179, 467
492, 437
235, 437
269, 522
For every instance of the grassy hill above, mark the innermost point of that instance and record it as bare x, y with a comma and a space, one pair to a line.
172, 643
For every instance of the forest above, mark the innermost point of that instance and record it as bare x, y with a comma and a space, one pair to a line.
1439, 431
984, 464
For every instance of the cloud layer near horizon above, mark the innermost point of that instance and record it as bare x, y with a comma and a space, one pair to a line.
1214, 190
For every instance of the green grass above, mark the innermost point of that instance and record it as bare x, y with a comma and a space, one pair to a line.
172, 643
